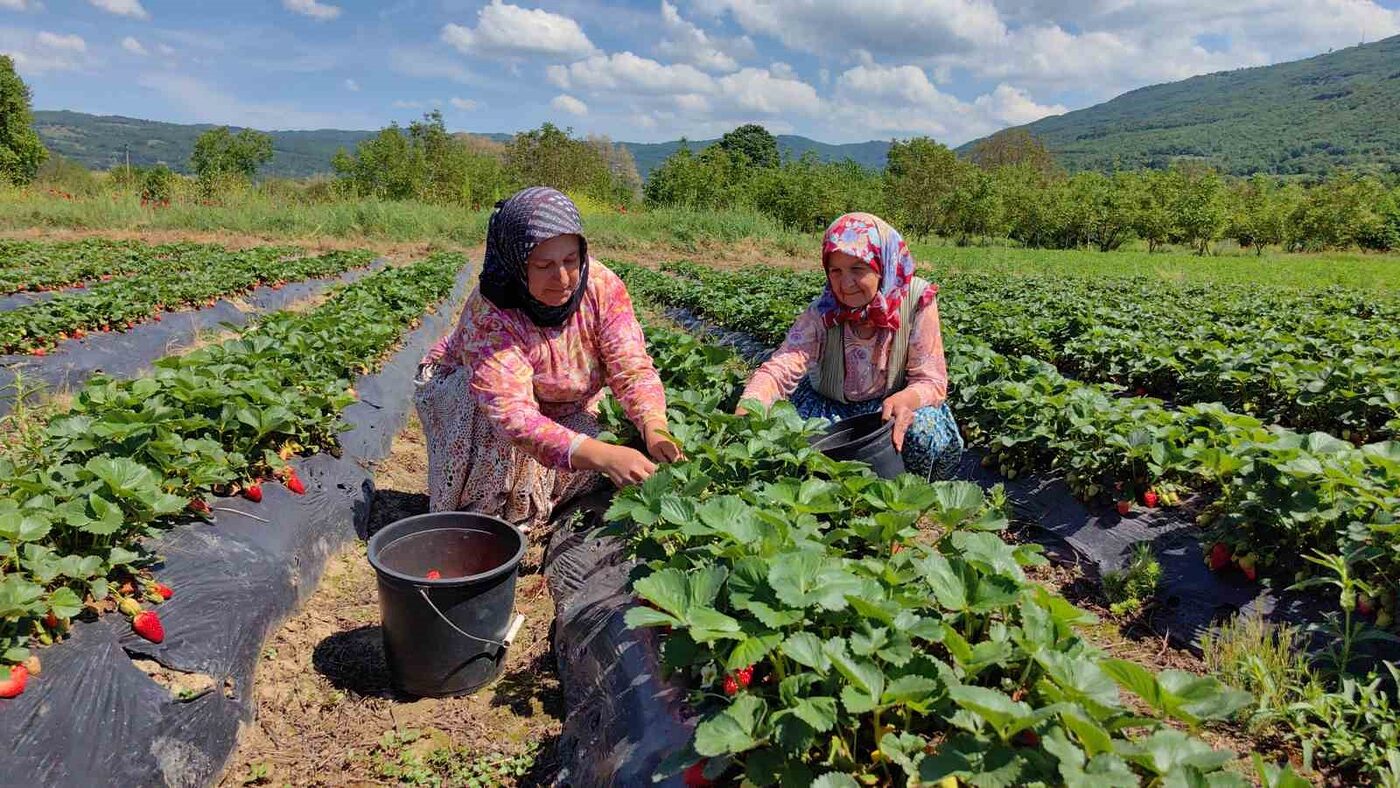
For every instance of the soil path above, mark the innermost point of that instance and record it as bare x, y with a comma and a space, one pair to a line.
327, 716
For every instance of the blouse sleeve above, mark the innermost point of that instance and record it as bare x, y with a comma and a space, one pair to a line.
503, 388
630, 372
926, 370
778, 377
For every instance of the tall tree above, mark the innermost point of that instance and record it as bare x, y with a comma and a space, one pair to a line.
753, 142
1012, 147
21, 152
219, 152
920, 174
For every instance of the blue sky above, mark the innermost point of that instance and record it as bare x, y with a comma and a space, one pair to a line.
836, 70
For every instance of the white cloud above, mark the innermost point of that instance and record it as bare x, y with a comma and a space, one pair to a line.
44, 52
624, 71
133, 46
466, 105
352, 86
131, 8
60, 43
887, 28
504, 30
14, 5
687, 43
902, 100
165, 49
313, 8
205, 103
569, 104
759, 90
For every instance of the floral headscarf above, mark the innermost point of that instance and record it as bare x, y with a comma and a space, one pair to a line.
869, 238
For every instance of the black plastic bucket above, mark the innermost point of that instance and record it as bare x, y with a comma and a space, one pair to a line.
446, 637
863, 439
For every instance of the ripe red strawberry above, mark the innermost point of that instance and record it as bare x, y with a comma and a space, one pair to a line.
51, 620
731, 685
694, 776
164, 590
38, 351
253, 492
1150, 499
294, 484
147, 625
1125, 508
199, 506
14, 685
1219, 557
745, 676
433, 574
78, 333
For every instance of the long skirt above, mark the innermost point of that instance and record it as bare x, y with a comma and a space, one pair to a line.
932, 446
473, 466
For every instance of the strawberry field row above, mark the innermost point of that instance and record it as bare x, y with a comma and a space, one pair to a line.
41, 265
834, 629
142, 454
1279, 495
179, 281
1328, 361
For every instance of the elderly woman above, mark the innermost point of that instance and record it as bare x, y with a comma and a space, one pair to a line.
508, 400
870, 342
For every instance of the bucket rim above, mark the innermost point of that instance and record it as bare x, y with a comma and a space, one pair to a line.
821, 444
377, 542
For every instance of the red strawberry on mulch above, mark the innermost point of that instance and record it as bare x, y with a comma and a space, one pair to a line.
694, 776
253, 492
13, 685
199, 506
1219, 556
147, 625
164, 590
1125, 508
1150, 499
433, 574
294, 484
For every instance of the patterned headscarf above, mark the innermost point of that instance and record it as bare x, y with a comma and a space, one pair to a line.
519, 224
869, 238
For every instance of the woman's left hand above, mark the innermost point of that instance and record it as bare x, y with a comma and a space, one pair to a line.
900, 407
661, 447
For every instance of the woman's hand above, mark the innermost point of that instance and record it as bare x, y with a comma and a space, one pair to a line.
623, 466
900, 407
661, 447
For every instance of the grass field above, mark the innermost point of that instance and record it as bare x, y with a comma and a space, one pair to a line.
732, 236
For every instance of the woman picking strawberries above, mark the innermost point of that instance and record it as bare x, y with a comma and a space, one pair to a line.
871, 342
508, 399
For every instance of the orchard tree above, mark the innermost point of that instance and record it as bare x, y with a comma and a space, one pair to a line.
219, 152
1012, 147
920, 174
1199, 208
21, 151
754, 143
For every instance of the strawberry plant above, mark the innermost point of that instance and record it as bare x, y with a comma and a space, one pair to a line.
834, 628
191, 279
131, 456
41, 266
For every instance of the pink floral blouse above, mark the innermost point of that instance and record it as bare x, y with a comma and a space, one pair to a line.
867, 360
525, 376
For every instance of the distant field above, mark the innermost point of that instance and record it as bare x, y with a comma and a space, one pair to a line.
741, 236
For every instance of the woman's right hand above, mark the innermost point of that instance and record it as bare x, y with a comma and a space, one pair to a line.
622, 465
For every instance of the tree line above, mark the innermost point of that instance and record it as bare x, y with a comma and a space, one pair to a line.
1008, 186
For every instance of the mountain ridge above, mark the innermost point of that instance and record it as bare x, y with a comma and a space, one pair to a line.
104, 141
1301, 117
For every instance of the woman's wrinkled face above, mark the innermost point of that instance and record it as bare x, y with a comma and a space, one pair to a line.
552, 271
853, 280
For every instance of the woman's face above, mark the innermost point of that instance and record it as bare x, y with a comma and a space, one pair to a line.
852, 279
552, 271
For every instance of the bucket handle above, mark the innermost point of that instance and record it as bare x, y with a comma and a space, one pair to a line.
500, 644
